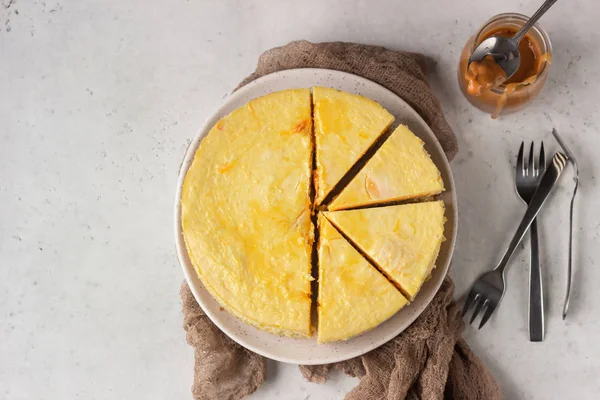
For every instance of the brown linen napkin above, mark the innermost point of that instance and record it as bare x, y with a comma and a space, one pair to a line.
429, 360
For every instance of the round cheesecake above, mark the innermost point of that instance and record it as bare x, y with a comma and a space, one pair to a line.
267, 170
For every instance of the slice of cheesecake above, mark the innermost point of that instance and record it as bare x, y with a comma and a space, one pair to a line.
401, 169
245, 209
353, 296
403, 241
346, 125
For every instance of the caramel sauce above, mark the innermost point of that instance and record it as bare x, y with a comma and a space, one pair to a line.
479, 79
483, 75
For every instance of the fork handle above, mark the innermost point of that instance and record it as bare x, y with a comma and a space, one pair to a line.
536, 290
546, 185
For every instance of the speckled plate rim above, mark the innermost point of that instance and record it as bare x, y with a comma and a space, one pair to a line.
308, 351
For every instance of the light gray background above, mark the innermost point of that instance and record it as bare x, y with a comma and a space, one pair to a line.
98, 100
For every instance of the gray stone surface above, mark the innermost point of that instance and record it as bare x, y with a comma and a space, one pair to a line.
98, 100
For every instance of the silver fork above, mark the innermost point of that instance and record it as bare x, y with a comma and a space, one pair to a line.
488, 289
526, 181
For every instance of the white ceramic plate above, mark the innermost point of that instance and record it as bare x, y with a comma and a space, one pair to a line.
307, 351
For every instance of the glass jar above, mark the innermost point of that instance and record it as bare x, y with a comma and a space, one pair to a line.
508, 97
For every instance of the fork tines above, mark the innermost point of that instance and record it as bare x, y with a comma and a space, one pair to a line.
484, 297
532, 167
480, 304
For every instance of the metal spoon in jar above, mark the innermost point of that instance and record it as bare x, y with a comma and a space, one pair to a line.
505, 51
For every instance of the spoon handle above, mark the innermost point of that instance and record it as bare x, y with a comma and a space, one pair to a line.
541, 11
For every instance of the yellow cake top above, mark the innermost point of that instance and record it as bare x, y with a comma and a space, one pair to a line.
401, 169
353, 296
246, 212
403, 240
346, 125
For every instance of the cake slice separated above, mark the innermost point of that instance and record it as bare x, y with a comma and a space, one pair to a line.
245, 209
401, 169
353, 296
346, 126
403, 240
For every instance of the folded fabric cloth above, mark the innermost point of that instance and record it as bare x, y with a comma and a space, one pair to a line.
429, 360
